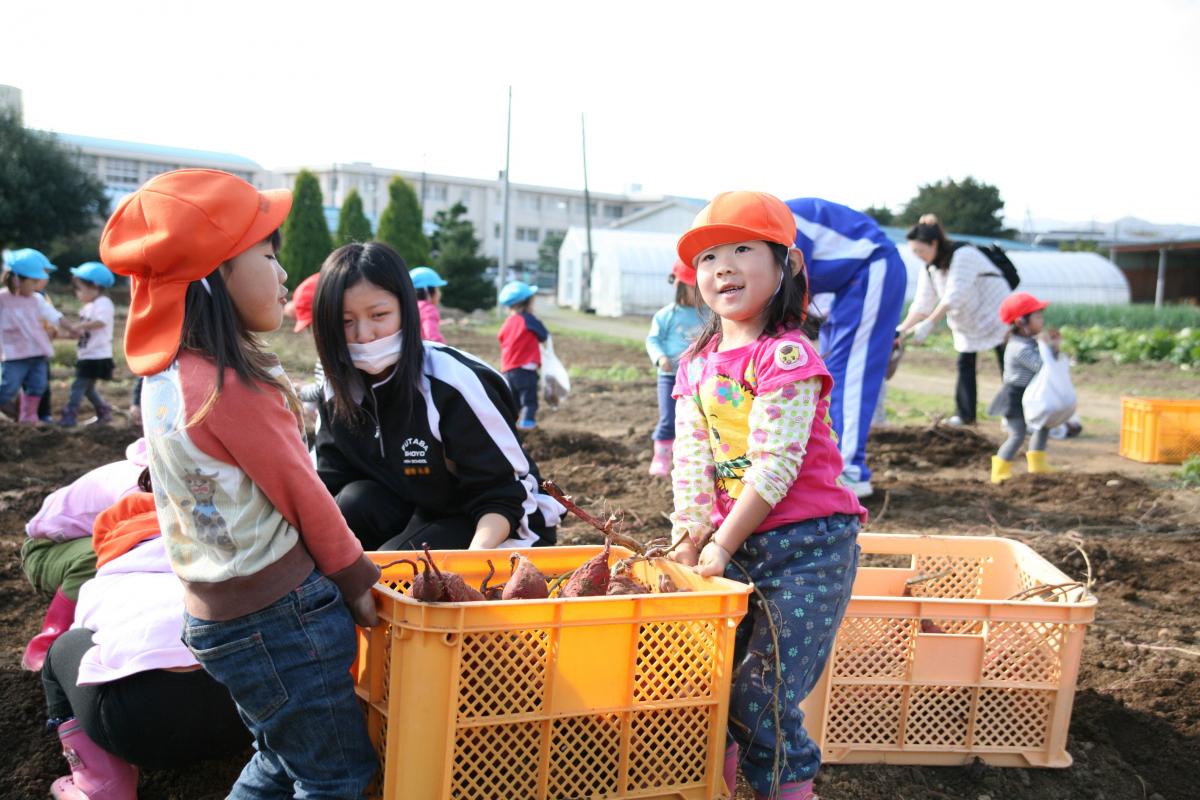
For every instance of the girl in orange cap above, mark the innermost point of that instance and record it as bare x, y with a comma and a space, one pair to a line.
756, 479
672, 332
273, 579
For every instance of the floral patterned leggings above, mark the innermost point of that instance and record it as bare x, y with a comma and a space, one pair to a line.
805, 571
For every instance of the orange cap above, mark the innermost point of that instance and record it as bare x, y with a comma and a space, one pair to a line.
1019, 304
302, 301
684, 273
738, 217
178, 228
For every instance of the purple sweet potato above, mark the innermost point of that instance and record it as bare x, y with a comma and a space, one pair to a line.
526, 582
591, 579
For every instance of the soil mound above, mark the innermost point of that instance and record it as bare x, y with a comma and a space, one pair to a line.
53, 456
573, 445
934, 446
1102, 493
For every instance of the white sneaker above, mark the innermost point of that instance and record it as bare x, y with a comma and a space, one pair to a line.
955, 422
861, 489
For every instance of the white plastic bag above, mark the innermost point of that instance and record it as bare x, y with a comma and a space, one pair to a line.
556, 383
1049, 400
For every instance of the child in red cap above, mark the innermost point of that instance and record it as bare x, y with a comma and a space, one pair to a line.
1022, 312
273, 578
756, 479
672, 331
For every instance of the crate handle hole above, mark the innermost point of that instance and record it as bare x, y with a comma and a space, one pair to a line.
450, 639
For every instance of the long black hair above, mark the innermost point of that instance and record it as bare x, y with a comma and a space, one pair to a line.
929, 230
382, 266
212, 327
788, 309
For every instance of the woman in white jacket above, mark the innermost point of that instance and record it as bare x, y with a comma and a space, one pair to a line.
961, 284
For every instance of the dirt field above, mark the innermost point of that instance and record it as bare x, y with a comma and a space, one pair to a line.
1135, 733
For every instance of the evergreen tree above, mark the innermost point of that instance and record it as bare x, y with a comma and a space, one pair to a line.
969, 206
44, 195
881, 214
353, 225
457, 258
306, 239
400, 224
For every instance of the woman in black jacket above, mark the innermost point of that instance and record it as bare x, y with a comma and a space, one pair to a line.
416, 439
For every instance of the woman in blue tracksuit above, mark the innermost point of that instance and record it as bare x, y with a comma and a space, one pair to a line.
849, 256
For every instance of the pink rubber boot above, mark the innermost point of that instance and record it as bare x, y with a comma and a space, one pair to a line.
660, 467
29, 407
58, 619
96, 774
731, 764
792, 791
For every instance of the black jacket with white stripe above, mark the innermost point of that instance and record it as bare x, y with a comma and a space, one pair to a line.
456, 452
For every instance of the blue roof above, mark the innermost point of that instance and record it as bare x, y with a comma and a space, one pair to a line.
899, 236
180, 154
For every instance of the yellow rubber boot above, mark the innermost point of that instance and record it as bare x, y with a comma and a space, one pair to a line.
1001, 469
1037, 462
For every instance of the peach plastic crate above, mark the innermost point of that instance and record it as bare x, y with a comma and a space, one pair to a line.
545, 699
998, 683
1159, 431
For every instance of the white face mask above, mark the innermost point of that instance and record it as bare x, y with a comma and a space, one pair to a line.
374, 357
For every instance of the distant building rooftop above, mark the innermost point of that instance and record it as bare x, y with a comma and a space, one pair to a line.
900, 236
167, 153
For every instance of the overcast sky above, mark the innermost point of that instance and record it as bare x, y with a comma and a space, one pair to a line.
1076, 110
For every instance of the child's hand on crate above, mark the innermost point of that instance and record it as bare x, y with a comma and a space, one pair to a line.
713, 559
362, 608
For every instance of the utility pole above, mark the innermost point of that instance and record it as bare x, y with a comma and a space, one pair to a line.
586, 280
502, 271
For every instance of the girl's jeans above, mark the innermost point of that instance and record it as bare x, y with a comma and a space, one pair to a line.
665, 432
288, 669
31, 374
805, 571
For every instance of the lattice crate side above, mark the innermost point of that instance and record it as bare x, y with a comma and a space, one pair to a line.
585, 756
1013, 719
864, 715
873, 647
1021, 651
668, 747
493, 761
938, 716
963, 581
675, 660
502, 673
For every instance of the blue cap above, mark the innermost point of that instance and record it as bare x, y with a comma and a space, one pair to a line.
425, 278
28, 263
94, 272
516, 291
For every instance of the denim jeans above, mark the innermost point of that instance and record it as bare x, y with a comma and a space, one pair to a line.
524, 385
665, 432
805, 571
288, 670
31, 374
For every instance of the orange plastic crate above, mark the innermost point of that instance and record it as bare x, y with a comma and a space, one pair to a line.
545, 699
997, 683
1159, 431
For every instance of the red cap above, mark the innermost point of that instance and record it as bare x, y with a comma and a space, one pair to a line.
683, 273
738, 217
1017, 305
302, 301
178, 228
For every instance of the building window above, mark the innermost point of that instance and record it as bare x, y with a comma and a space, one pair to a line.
437, 192
527, 234
612, 212
122, 172
559, 232
529, 200
496, 231
561, 205
87, 163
